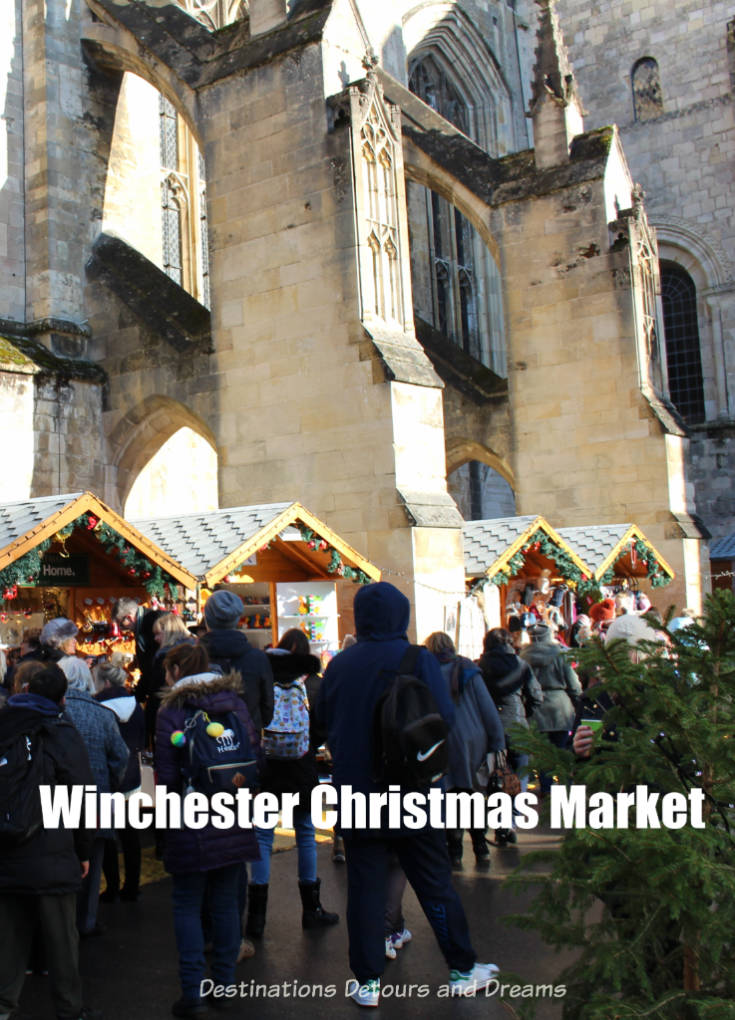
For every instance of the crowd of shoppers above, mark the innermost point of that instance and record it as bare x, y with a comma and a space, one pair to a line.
92, 729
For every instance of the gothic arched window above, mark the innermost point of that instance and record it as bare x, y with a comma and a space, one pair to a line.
184, 229
430, 82
452, 245
648, 100
683, 355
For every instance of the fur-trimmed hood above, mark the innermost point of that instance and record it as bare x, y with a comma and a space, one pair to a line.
205, 690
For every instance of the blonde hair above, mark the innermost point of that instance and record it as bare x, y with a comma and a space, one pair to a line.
171, 627
440, 643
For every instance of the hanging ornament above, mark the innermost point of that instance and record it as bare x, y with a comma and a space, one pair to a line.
92, 522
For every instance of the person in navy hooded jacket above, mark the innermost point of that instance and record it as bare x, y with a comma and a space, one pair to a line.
352, 685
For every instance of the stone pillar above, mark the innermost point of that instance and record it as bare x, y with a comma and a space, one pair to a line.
53, 76
12, 213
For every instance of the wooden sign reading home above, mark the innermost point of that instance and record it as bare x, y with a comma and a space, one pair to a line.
63, 571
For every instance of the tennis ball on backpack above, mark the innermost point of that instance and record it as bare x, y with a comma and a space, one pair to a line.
215, 729
178, 738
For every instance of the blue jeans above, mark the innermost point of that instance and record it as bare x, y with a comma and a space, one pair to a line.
260, 871
88, 896
189, 891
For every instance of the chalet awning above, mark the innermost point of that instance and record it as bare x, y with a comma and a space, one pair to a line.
618, 551
272, 541
504, 547
32, 527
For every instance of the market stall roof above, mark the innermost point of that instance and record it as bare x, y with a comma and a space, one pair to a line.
215, 544
28, 523
490, 545
622, 548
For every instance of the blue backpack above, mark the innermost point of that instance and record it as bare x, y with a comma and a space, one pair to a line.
223, 762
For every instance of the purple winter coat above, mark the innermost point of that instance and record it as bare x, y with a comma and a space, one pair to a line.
189, 850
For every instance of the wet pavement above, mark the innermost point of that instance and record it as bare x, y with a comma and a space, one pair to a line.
130, 971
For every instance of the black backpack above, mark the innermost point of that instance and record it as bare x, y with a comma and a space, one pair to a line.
410, 734
223, 762
23, 768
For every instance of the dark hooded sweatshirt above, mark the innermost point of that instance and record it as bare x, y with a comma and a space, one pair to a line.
357, 676
231, 651
49, 862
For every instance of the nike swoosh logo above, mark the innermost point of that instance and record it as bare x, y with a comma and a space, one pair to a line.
422, 756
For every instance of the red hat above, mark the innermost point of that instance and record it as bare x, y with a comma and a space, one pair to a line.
602, 611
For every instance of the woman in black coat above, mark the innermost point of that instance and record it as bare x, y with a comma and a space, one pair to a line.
295, 676
516, 692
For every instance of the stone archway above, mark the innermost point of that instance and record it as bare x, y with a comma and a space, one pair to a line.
461, 451
480, 481
114, 48
141, 433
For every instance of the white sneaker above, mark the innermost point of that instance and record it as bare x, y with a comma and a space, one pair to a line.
474, 981
247, 950
367, 994
396, 941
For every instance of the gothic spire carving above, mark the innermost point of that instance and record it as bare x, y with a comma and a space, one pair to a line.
553, 75
555, 106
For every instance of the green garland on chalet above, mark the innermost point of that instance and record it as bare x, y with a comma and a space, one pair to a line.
656, 575
336, 564
26, 570
541, 542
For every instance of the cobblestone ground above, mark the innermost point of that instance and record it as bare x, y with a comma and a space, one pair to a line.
130, 971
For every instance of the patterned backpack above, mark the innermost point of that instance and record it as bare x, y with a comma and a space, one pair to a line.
287, 734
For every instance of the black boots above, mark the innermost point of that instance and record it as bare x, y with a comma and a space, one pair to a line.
479, 845
314, 915
257, 904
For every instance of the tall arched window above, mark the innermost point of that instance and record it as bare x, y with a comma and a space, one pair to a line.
648, 100
453, 296
683, 356
185, 235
